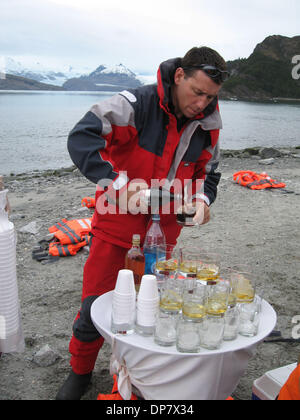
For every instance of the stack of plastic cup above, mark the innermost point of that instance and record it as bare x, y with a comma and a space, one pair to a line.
123, 304
11, 335
147, 306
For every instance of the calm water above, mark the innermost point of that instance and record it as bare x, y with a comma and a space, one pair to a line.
35, 126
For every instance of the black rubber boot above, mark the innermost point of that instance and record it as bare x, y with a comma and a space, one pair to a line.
74, 387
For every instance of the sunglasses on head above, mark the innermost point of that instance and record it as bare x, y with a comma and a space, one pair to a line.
211, 71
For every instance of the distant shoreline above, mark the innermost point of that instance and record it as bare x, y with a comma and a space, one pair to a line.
226, 97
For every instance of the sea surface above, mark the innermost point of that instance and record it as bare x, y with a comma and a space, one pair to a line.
34, 126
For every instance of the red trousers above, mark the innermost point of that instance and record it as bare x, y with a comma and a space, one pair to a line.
99, 276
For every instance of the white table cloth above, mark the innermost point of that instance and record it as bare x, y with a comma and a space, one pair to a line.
162, 373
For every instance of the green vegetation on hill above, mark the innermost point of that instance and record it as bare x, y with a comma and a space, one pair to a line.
267, 73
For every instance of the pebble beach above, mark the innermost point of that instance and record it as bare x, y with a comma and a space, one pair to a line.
260, 228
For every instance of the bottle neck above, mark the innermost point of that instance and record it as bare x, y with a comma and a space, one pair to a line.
136, 244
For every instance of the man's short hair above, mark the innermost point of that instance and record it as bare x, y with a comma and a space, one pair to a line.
202, 55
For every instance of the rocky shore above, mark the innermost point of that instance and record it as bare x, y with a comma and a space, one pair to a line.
260, 228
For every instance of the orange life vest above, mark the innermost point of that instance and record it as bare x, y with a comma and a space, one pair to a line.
291, 389
58, 250
88, 202
71, 231
256, 181
70, 236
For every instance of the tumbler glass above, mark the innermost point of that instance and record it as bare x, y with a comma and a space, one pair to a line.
208, 268
194, 303
165, 329
187, 336
171, 295
232, 318
217, 298
212, 332
249, 317
244, 284
166, 259
188, 261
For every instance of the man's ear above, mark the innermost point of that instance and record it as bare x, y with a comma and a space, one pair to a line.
179, 75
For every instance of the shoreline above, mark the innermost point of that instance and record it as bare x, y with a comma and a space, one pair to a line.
257, 152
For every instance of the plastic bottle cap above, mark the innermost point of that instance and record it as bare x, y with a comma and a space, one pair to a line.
155, 217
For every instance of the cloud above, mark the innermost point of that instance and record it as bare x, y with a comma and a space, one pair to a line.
139, 34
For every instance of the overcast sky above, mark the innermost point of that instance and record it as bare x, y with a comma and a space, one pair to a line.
138, 33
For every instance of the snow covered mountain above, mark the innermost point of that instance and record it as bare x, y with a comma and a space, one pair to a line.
40, 73
105, 78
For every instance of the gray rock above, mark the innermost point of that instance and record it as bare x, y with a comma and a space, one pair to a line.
30, 228
45, 357
267, 161
269, 152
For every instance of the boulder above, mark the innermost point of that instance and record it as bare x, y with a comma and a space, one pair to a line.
269, 152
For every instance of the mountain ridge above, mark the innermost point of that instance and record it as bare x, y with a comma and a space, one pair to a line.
267, 73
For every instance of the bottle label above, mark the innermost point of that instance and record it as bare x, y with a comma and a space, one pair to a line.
150, 262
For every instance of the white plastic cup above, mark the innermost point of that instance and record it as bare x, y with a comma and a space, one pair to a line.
148, 288
125, 283
147, 303
117, 298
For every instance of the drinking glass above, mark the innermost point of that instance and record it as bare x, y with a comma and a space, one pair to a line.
171, 295
249, 313
188, 261
185, 214
226, 274
232, 318
166, 259
208, 268
194, 303
212, 332
187, 336
165, 329
244, 283
217, 298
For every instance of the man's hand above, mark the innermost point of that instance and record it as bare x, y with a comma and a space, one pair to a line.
202, 212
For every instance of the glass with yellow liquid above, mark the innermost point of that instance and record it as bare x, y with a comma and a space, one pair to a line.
244, 284
217, 298
166, 259
208, 268
171, 295
194, 303
188, 261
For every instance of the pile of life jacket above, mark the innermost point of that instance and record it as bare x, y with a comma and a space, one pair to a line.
70, 236
256, 181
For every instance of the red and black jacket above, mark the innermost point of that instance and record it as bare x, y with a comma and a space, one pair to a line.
136, 132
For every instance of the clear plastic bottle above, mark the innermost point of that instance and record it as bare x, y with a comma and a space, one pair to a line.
154, 237
135, 261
